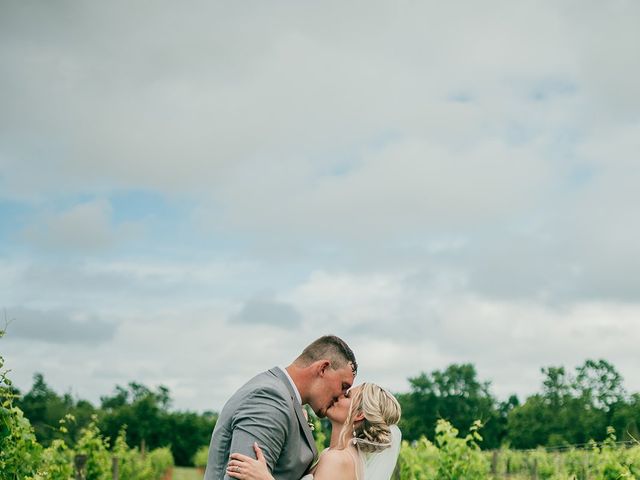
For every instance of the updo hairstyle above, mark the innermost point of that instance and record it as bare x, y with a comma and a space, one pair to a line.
381, 410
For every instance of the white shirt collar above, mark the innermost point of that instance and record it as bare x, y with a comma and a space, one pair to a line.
295, 389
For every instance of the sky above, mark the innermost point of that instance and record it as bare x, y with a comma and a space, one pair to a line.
192, 192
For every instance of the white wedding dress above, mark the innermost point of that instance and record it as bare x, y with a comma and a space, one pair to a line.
376, 465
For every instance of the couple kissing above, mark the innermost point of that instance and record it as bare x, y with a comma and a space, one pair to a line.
262, 432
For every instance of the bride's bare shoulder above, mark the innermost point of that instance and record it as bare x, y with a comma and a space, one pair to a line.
335, 465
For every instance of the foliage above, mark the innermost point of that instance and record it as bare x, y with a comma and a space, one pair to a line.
149, 421
451, 457
605, 461
139, 407
161, 460
454, 394
44, 408
185, 432
201, 457
131, 465
23, 458
143, 410
57, 462
460, 457
19, 451
57, 458
96, 447
572, 409
418, 460
318, 429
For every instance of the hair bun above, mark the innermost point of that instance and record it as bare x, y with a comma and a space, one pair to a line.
380, 409
374, 436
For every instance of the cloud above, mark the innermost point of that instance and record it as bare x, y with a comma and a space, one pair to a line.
59, 327
397, 328
124, 286
267, 312
433, 184
120, 111
402, 328
409, 188
84, 227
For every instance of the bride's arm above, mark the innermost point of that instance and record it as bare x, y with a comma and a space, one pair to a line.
243, 467
333, 465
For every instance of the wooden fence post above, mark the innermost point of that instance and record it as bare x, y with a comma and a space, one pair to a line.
534, 471
115, 473
80, 461
494, 462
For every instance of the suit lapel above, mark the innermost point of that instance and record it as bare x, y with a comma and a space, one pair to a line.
305, 427
298, 409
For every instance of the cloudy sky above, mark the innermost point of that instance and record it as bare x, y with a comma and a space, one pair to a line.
192, 192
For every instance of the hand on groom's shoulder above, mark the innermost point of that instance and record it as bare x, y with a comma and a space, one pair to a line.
262, 416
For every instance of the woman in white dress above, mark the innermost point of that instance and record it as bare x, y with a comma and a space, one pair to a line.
365, 441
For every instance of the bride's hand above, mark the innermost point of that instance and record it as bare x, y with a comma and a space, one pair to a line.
246, 468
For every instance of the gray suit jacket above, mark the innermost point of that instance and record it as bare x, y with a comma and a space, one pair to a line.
264, 410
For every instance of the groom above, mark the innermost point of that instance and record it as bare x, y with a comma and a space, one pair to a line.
268, 410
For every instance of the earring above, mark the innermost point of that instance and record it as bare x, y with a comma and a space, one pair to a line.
354, 441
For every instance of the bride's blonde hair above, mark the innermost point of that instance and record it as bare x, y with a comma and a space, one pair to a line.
381, 410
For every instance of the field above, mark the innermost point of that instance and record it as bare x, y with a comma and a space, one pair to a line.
93, 456
453, 457
184, 473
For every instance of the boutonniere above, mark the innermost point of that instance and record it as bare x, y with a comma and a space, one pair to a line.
305, 412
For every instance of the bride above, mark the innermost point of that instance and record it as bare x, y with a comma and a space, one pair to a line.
365, 441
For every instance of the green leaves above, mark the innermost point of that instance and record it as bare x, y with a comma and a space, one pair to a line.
455, 394
201, 457
451, 457
19, 451
23, 458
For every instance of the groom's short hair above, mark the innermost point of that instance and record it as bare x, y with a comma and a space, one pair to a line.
332, 348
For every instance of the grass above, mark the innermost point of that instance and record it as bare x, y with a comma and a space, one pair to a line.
185, 473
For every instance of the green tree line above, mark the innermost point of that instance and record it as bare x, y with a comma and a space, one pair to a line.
146, 413
570, 408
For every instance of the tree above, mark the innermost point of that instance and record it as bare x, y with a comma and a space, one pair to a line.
146, 414
626, 418
599, 384
188, 431
527, 424
44, 408
556, 387
454, 394
142, 410
572, 409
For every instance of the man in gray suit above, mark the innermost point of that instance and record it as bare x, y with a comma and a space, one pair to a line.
268, 410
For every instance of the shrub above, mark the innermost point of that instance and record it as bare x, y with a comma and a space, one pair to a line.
161, 461
450, 457
96, 448
201, 457
20, 453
